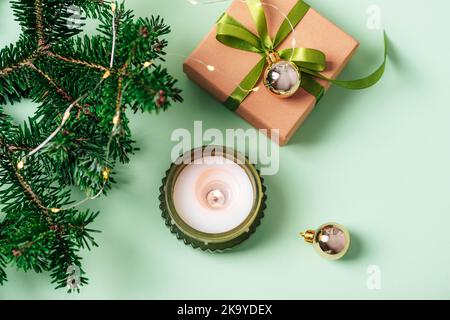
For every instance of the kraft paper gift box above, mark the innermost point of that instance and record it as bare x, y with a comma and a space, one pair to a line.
262, 109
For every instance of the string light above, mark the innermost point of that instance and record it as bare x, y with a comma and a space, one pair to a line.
67, 113
66, 116
106, 171
21, 164
113, 49
212, 68
147, 64
294, 43
116, 119
106, 75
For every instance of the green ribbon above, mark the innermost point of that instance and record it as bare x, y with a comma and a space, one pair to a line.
310, 62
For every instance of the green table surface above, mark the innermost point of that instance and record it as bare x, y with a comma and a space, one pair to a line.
376, 161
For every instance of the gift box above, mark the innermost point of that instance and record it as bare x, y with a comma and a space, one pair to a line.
219, 69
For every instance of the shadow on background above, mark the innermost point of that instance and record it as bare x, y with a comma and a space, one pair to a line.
271, 224
334, 104
356, 248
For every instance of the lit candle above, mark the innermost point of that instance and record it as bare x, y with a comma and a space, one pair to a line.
212, 200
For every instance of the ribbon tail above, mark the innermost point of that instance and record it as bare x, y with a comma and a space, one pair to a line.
245, 87
358, 84
312, 87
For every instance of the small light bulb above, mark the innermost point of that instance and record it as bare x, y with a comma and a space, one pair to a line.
294, 42
147, 64
55, 210
66, 115
20, 164
106, 74
105, 174
211, 68
116, 119
113, 7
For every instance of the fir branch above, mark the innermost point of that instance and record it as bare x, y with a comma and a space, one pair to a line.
26, 62
52, 82
6, 71
29, 191
18, 148
61, 91
36, 200
62, 254
52, 65
14, 148
119, 93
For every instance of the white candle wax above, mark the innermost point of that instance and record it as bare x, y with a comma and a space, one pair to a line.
213, 195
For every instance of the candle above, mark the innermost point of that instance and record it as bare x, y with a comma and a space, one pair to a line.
212, 200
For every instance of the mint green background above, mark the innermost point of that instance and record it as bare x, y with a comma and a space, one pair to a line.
376, 161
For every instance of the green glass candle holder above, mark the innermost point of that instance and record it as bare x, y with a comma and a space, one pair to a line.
209, 241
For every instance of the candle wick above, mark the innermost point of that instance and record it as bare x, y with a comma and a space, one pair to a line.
216, 198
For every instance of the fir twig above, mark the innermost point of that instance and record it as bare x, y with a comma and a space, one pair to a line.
60, 90
39, 23
77, 61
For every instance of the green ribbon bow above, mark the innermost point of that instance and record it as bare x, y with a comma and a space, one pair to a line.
310, 62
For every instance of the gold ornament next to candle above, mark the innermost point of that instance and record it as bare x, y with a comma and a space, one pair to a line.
331, 240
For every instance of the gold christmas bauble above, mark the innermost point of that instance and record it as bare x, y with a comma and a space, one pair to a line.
282, 78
